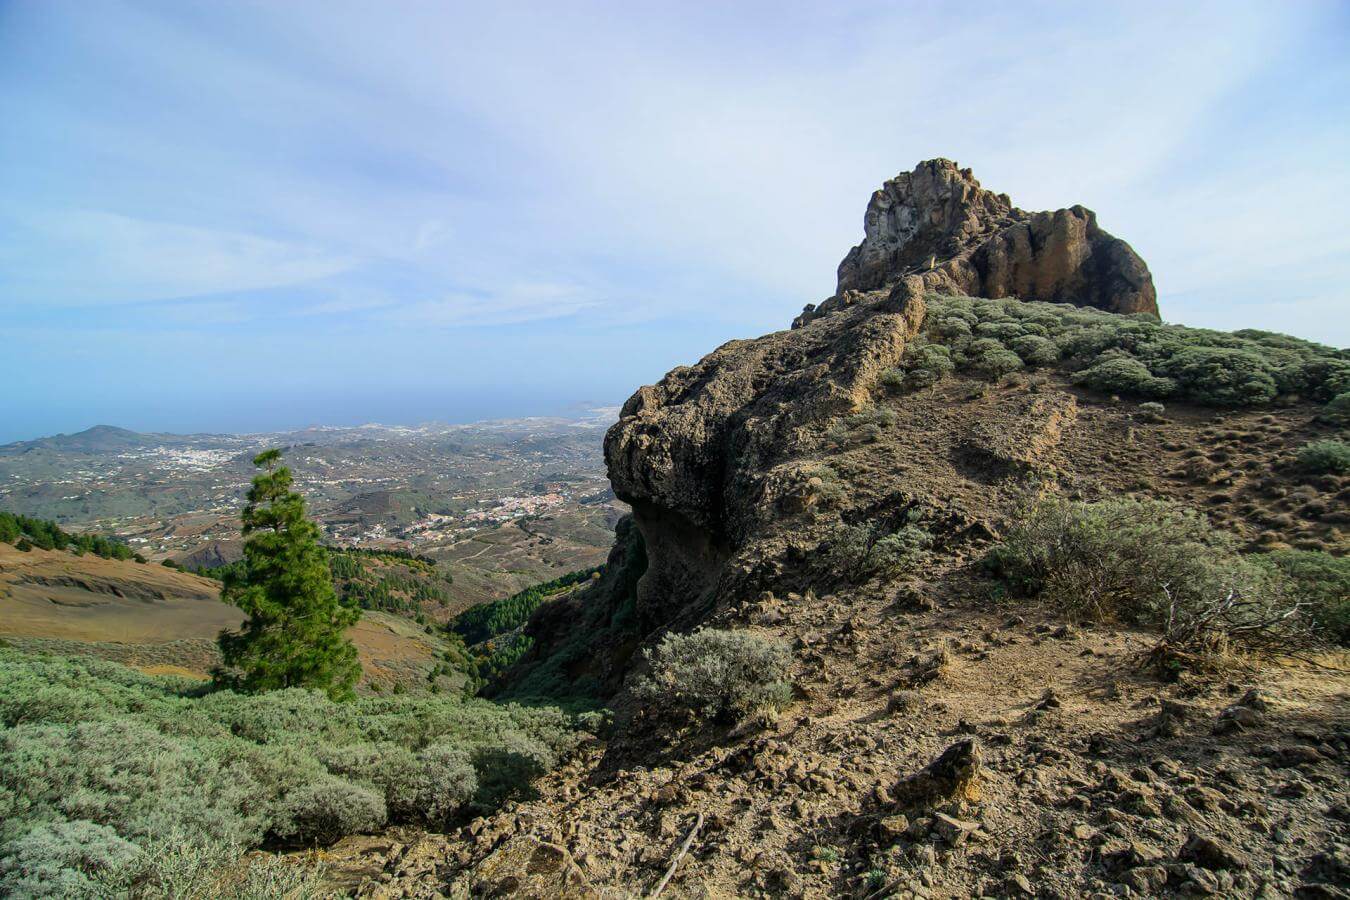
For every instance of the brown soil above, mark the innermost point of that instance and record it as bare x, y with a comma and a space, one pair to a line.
1076, 793
1098, 779
164, 621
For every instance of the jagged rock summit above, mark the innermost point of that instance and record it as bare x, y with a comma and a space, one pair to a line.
938, 223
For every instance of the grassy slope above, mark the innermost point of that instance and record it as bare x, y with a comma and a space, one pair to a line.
167, 618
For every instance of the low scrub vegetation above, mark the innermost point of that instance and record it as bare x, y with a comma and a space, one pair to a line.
725, 676
868, 549
1151, 411
1337, 410
923, 364
1134, 355
1325, 458
97, 756
864, 427
1322, 582
820, 486
1158, 565
85, 860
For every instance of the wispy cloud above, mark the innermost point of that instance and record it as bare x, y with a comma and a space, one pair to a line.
511, 305
94, 256
642, 182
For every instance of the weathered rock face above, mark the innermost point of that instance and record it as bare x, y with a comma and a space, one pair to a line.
706, 457
938, 223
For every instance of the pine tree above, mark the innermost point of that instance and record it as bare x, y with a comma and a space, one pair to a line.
295, 632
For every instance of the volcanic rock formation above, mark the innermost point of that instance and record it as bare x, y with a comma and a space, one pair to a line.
709, 457
938, 223
936, 746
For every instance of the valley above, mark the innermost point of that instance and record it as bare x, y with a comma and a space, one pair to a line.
499, 506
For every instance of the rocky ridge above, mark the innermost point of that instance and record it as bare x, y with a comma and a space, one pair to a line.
939, 746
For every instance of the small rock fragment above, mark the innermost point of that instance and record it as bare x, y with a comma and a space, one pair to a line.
954, 774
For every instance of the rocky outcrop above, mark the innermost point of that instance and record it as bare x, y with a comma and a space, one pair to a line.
935, 742
938, 223
530, 869
704, 456
724, 463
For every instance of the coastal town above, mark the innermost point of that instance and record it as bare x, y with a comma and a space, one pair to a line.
523, 494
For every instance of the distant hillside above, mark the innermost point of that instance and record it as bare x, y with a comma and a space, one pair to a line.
163, 620
493, 632
389, 580
398, 507
99, 439
26, 532
211, 555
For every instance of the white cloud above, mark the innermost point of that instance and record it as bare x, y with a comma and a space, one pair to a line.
94, 256
512, 305
708, 162
739, 155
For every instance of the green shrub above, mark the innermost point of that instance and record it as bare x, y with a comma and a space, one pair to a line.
323, 810
864, 550
390, 767
1338, 409
1136, 355
988, 358
892, 380
1085, 344
174, 867
1221, 376
1144, 562
880, 416
925, 364
820, 486
443, 782
63, 860
1152, 411
864, 427
720, 675
920, 378
1035, 350
1124, 375
82, 739
1325, 458
951, 329
1321, 581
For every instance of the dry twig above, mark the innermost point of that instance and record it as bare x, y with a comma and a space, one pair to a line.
684, 848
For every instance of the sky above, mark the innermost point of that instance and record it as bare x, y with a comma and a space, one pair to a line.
243, 216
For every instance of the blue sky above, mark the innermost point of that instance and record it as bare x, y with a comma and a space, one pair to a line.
252, 215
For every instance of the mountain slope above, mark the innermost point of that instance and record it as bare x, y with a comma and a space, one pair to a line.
99, 439
947, 739
164, 620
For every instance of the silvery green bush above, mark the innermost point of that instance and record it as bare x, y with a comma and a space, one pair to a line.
136, 758
716, 674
